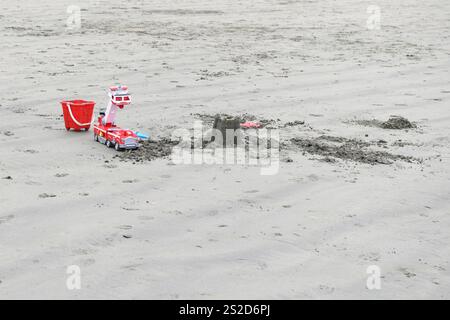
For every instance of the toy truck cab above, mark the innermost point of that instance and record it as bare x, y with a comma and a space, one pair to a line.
111, 135
122, 138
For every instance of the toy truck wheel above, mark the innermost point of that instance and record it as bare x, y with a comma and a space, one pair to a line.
117, 147
108, 143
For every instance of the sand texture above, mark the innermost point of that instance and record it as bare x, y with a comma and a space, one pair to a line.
352, 189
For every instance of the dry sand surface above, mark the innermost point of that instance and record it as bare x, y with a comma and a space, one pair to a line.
167, 231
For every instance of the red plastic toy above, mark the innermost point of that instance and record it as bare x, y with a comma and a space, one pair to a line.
250, 124
105, 130
78, 114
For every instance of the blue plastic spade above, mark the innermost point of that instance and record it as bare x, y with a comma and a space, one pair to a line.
142, 136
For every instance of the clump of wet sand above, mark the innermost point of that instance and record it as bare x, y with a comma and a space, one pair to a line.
47, 195
331, 148
394, 123
397, 122
148, 151
210, 118
264, 123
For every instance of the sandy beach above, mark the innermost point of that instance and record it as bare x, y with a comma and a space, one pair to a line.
314, 70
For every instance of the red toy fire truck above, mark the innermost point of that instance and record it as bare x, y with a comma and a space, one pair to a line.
105, 130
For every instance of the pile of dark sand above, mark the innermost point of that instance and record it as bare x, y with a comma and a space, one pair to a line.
294, 123
394, 122
241, 118
397, 122
332, 148
210, 118
148, 151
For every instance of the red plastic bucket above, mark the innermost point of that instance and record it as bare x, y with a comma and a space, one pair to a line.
78, 114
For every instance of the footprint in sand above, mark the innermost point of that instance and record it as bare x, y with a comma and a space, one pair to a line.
407, 273
213, 213
326, 289
61, 175
47, 195
110, 166
313, 177
31, 151
132, 267
130, 181
125, 227
7, 218
371, 256
145, 218
83, 252
261, 265
278, 234
130, 209
87, 262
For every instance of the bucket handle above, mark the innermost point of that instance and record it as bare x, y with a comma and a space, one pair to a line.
75, 120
